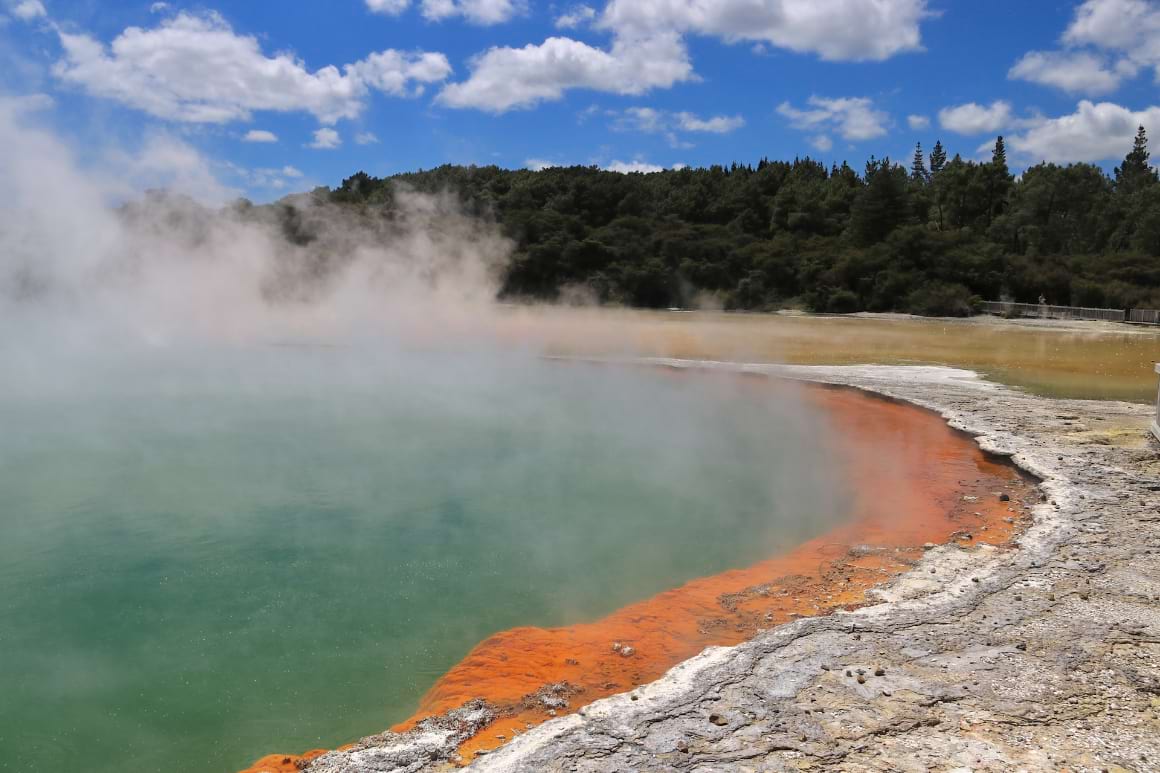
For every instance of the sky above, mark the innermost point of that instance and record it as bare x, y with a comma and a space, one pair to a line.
265, 97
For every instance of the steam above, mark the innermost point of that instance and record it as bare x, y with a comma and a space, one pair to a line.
83, 245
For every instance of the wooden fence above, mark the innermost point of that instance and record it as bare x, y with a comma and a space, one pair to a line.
1144, 316
1045, 311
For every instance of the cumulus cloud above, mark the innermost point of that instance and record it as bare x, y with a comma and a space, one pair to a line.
388, 7
853, 118
1127, 25
648, 48
577, 16
326, 139
1075, 72
483, 12
195, 68
539, 164
835, 30
260, 135
1094, 132
366, 138
504, 78
973, 118
918, 122
652, 121
631, 167
1106, 43
822, 143
27, 10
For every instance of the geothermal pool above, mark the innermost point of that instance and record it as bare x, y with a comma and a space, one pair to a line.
212, 554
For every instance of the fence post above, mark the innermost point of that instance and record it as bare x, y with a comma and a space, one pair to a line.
1156, 418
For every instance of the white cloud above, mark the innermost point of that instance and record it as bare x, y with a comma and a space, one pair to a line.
366, 138
918, 122
653, 121
506, 78
718, 124
195, 68
1094, 132
260, 135
388, 7
822, 143
836, 30
159, 8
268, 179
26, 103
1125, 36
539, 164
1075, 72
483, 12
630, 167
973, 118
326, 139
648, 47
1126, 25
27, 10
578, 16
854, 118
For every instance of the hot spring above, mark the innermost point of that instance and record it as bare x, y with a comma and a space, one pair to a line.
212, 553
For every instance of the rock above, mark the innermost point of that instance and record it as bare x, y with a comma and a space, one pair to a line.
627, 652
718, 720
1004, 497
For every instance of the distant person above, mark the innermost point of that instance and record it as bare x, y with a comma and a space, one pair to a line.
1042, 299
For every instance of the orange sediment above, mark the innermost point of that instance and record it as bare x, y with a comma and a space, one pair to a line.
917, 481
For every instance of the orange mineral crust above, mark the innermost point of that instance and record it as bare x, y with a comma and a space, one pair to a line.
917, 482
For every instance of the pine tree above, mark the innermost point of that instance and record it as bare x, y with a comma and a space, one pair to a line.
918, 173
999, 181
999, 156
938, 158
1135, 173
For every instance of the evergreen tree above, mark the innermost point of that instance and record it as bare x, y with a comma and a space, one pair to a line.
918, 173
999, 156
998, 181
1135, 173
938, 158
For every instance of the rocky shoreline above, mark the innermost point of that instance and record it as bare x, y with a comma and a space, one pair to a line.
1043, 657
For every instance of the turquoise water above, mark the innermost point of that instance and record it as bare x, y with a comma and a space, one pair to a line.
212, 554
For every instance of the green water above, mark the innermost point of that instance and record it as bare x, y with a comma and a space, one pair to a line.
209, 555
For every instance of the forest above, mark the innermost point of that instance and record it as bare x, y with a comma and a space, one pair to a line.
932, 239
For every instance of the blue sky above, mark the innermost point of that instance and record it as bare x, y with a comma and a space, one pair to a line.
336, 86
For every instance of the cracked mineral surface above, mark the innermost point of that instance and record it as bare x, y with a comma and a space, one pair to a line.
1045, 657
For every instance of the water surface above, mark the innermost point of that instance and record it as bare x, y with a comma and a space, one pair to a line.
211, 553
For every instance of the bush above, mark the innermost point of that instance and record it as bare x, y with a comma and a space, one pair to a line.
843, 302
942, 299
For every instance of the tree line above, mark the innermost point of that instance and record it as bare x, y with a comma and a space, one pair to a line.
932, 239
